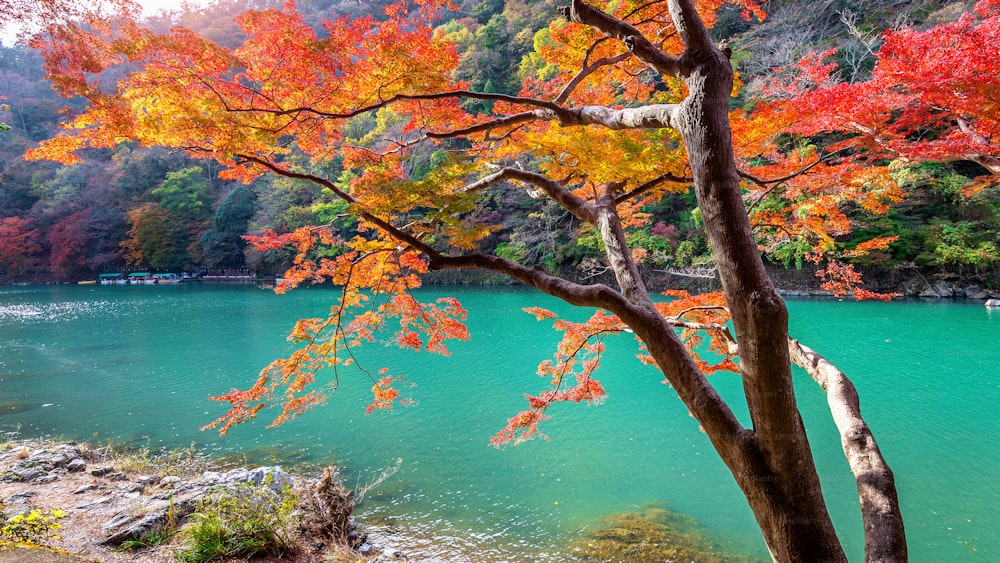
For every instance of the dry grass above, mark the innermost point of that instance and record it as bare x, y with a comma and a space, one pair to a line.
181, 462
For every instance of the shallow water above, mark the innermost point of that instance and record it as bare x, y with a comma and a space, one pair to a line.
138, 363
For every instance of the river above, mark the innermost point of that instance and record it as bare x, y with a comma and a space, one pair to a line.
136, 364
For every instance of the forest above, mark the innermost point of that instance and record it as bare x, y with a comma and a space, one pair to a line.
936, 209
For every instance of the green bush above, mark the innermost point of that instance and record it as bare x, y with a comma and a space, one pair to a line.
248, 521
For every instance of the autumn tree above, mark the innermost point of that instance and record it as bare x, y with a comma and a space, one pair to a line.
155, 238
624, 104
19, 242
68, 240
934, 95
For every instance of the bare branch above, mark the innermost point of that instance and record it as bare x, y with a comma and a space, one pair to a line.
586, 71
628, 34
719, 329
556, 190
885, 539
668, 177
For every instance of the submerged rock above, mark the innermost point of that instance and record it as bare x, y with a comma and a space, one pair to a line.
653, 534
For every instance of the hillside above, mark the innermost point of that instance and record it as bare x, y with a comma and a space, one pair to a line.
145, 208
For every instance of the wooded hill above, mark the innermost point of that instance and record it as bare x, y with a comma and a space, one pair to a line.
134, 207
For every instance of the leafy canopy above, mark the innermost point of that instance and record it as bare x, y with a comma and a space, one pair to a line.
288, 91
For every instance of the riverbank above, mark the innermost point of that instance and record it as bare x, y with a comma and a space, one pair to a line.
118, 506
793, 282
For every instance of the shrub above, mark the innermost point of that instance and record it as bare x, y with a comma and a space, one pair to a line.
248, 521
34, 527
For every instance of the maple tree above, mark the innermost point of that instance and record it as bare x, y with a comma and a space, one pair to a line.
617, 109
24, 16
934, 95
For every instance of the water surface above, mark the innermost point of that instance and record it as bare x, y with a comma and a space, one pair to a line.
138, 363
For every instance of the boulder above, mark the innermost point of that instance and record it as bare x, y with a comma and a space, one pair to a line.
993, 304
929, 293
101, 471
76, 464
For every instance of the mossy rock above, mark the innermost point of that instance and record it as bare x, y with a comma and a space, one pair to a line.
13, 407
653, 534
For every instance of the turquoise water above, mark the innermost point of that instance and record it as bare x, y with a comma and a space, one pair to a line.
137, 363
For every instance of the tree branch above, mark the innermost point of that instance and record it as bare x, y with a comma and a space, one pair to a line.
586, 71
389, 228
556, 190
633, 39
885, 538
668, 177
697, 40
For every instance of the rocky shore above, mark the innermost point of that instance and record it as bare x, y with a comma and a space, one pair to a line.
112, 504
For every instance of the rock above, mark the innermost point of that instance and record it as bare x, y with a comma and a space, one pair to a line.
85, 488
22, 554
76, 464
93, 503
276, 478
46, 479
117, 476
101, 471
133, 488
156, 515
22, 474
929, 293
945, 289
170, 481
993, 304
16, 505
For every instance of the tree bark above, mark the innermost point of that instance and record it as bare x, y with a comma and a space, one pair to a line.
885, 539
773, 463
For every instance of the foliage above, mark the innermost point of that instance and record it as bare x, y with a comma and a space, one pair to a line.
148, 539
223, 244
798, 216
155, 238
932, 96
37, 526
620, 110
248, 521
19, 240
69, 239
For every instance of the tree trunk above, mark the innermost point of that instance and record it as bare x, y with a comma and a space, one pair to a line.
778, 477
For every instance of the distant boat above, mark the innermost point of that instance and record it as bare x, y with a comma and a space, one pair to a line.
107, 279
87, 282
141, 278
167, 278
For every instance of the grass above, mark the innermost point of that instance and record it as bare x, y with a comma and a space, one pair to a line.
180, 462
248, 521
